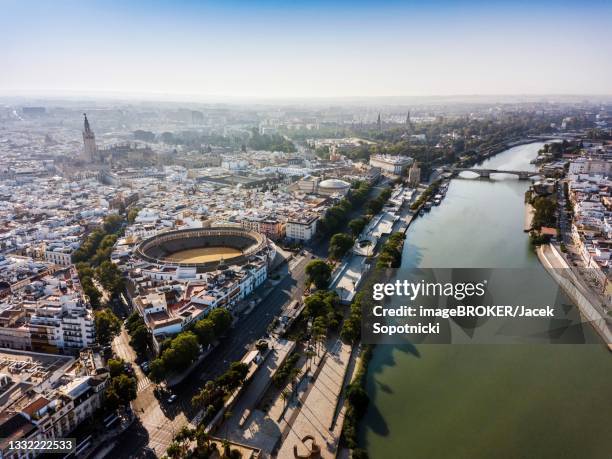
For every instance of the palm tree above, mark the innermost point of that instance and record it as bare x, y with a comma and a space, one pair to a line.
183, 438
319, 333
295, 378
174, 451
202, 440
226, 450
316, 332
285, 395
309, 355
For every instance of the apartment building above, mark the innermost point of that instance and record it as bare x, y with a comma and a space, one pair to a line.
301, 229
170, 305
271, 227
54, 408
48, 315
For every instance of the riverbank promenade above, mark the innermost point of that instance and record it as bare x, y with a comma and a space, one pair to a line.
587, 302
322, 412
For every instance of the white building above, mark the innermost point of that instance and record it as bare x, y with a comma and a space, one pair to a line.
59, 255
301, 229
48, 315
395, 165
331, 187
591, 166
52, 411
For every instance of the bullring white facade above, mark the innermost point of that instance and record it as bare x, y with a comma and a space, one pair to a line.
170, 295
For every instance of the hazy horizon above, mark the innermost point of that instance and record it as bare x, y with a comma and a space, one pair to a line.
271, 50
364, 101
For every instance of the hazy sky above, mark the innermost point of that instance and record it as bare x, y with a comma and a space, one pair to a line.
305, 48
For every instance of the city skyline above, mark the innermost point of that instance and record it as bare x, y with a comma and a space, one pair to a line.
305, 229
304, 50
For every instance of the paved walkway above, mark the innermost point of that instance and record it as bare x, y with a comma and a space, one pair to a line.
318, 410
248, 425
587, 302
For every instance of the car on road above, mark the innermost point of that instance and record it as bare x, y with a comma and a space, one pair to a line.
172, 399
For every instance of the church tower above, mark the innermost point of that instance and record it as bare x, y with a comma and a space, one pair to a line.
414, 175
90, 150
379, 123
408, 122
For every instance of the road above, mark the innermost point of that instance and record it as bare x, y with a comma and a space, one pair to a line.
158, 422
590, 285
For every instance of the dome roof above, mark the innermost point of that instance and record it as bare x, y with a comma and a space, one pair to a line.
334, 183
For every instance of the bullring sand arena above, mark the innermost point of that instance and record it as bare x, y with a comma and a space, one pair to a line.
204, 254
204, 248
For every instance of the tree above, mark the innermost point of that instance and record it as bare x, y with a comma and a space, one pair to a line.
233, 377
110, 277
358, 398
374, 206
270, 142
132, 214
174, 450
184, 436
121, 390
112, 223
139, 339
285, 397
319, 273
133, 322
202, 441
107, 325
205, 331
86, 274
351, 331
295, 376
182, 352
391, 252
315, 305
262, 346
322, 303
115, 367
210, 395
221, 319
357, 225
359, 453
545, 212
319, 332
157, 370
339, 244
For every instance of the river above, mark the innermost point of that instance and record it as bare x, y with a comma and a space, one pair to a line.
482, 401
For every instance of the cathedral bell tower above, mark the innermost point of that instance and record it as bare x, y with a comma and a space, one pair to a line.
90, 150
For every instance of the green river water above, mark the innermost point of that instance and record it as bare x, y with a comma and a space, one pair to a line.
486, 401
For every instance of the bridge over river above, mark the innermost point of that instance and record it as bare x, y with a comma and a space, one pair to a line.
486, 173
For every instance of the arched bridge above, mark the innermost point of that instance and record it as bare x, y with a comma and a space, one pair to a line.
485, 173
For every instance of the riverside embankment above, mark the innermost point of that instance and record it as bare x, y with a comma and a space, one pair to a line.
480, 401
557, 267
